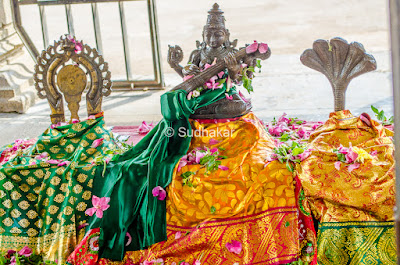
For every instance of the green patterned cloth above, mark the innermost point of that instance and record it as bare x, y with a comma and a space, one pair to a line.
43, 204
356, 243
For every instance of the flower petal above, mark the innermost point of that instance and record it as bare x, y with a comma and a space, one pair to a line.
99, 213
263, 48
90, 211
178, 235
96, 143
213, 141
224, 168
156, 191
199, 156
95, 200
186, 77
234, 246
252, 47
162, 195
337, 165
353, 166
129, 239
229, 97
214, 150
365, 118
243, 97
189, 95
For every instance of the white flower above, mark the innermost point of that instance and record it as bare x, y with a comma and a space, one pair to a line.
195, 94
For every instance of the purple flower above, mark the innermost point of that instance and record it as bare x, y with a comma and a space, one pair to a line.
96, 143
276, 130
183, 162
64, 163
178, 235
365, 118
144, 128
252, 47
99, 206
53, 161
78, 46
42, 156
309, 249
302, 133
25, 251
11, 252
353, 166
223, 167
234, 246
229, 97
283, 118
243, 97
213, 141
214, 150
263, 48
129, 239
199, 156
337, 165
159, 192
304, 155
351, 156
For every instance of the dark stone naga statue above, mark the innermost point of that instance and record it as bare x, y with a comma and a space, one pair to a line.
216, 47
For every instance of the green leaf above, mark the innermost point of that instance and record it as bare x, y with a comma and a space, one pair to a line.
222, 148
258, 64
187, 174
251, 69
213, 210
381, 115
297, 151
374, 109
284, 137
206, 159
288, 166
341, 157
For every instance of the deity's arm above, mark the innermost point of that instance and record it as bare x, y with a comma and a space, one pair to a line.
175, 56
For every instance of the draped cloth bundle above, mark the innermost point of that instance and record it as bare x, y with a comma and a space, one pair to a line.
244, 201
44, 200
354, 207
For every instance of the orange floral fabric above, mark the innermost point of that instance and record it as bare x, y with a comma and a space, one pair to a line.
364, 194
253, 202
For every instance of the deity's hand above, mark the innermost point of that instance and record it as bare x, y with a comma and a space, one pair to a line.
232, 65
251, 61
191, 69
175, 55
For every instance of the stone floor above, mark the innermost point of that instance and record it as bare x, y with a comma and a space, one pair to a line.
284, 85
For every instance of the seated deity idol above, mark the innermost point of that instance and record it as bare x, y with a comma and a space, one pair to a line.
198, 189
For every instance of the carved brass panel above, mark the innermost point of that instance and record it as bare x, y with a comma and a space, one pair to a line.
68, 68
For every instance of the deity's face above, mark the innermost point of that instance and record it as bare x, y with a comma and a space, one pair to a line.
214, 37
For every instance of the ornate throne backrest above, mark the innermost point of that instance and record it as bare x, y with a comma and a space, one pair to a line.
64, 71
